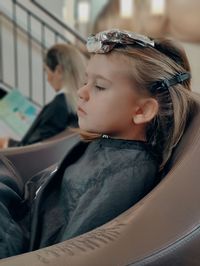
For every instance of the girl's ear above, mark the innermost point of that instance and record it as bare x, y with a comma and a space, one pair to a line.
59, 69
147, 109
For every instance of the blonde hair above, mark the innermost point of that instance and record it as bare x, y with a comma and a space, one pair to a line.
147, 66
73, 64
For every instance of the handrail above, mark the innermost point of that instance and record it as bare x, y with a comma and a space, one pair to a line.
66, 27
41, 20
24, 26
25, 31
32, 38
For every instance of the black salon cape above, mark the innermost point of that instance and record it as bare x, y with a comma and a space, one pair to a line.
13, 236
94, 183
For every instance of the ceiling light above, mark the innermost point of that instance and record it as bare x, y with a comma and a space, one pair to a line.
126, 8
83, 12
158, 7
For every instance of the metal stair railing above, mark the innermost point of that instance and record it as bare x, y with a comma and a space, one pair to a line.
61, 23
33, 39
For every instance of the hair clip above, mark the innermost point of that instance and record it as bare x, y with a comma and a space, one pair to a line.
166, 83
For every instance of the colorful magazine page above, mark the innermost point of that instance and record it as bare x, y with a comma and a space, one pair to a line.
17, 113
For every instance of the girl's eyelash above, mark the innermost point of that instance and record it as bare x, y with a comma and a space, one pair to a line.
100, 88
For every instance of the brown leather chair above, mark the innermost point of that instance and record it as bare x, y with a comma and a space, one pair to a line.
31, 159
162, 229
66, 132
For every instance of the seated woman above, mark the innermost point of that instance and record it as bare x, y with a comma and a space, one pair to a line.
132, 110
65, 68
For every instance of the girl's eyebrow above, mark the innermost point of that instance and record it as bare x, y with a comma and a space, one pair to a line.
104, 78
98, 76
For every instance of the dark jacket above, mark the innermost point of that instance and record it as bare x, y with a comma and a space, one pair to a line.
93, 184
53, 119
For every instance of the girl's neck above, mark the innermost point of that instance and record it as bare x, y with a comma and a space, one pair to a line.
136, 133
138, 137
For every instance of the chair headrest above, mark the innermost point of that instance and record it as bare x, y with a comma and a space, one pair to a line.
191, 134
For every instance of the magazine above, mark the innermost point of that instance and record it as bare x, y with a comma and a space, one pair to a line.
17, 114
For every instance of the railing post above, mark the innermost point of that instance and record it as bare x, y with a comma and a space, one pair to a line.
1, 52
56, 37
61, 23
43, 55
15, 43
30, 55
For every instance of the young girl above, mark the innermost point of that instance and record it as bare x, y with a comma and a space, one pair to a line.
133, 108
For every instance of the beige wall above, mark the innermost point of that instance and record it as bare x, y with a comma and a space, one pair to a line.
193, 53
180, 21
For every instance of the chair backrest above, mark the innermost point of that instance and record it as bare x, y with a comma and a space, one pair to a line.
31, 159
161, 229
66, 132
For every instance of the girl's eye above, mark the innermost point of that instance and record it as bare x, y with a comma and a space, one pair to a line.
99, 88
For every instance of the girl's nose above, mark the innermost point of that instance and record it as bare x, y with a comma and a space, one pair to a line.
83, 93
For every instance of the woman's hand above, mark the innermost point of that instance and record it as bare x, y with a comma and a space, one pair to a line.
3, 143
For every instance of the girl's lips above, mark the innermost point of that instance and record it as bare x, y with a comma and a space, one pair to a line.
80, 110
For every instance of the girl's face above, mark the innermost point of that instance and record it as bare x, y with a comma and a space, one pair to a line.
54, 78
108, 101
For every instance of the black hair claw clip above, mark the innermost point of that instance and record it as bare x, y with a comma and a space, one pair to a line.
166, 83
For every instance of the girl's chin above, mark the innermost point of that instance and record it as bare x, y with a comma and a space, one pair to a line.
86, 128
83, 127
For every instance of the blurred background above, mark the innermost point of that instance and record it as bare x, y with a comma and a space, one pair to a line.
28, 27
177, 18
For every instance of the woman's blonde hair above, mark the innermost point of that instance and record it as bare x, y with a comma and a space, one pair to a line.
73, 64
147, 66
